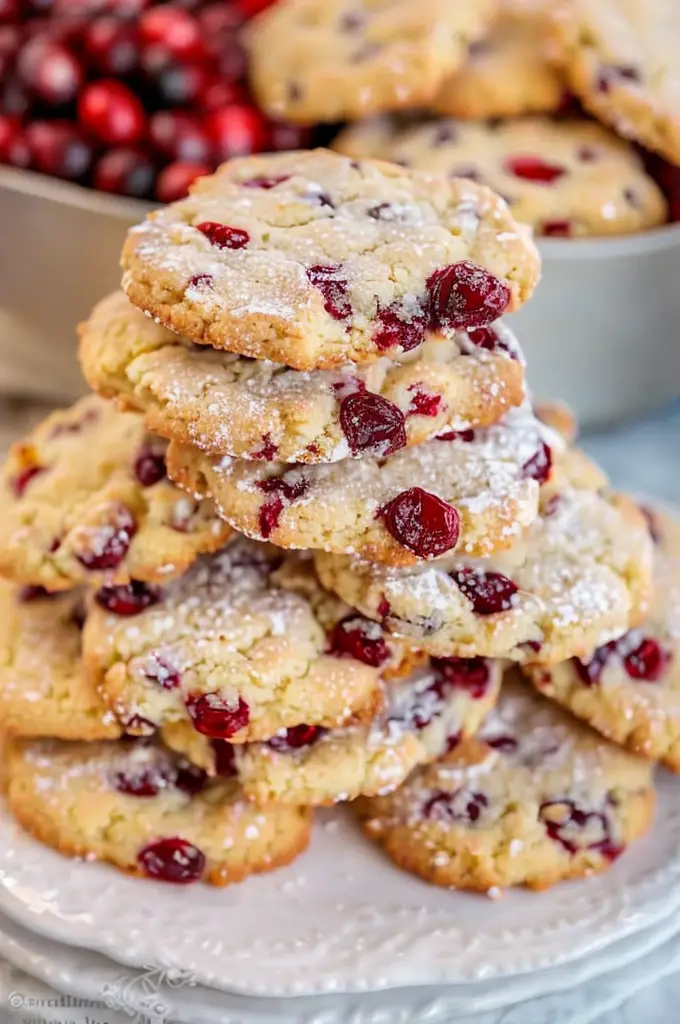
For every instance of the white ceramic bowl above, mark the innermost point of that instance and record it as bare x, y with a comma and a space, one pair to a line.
600, 333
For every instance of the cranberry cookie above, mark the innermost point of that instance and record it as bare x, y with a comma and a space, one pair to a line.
423, 716
507, 73
231, 405
629, 690
621, 59
336, 60
147, 811
534, 799
43, 688
475, 491
235, 647
85, 496
568, 177
313, 260
580, 577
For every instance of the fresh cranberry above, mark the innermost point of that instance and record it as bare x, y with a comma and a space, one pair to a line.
539, 466
398, 328
361, 639
647, 662
110, 543
334, 288
49, 71
10, 133
218, 94
462, 805
504, 744
126, 171
225, 759
111, 45
172, 860
471, 674
611, 75
456, 435
422, 522
16, 97
564, 826
213, 716
249, 8
172, 30
423, 403
9, 12
282, 491
296, 738
161, 671
534, 168
127, 598
143, 781
372, 424
149, 467
222, 236
112, 112
236, 130
31, 592
20, 482
268, 450
488, 592
556, 229
181, 85
219, 22
284, 136
180, 136
175, 180
58, 148
466, 295
232, 60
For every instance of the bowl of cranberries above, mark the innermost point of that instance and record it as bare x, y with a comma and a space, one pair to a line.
106, 107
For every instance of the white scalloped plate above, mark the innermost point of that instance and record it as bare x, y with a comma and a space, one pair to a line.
341, 918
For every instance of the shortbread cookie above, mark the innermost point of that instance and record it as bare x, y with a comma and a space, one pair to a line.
85, 496
43, 688
231, 405
314, 260
147, 811
567, 177
559, 417
630, 689
534, 799
581, 576
336, 60
474, 491
235, 648
507, 73
424, 716
621, 59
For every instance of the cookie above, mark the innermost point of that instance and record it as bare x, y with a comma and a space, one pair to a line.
534, 799
147, 811
314, 260
230, 405
423, 716
629, 690
43, 688
508, 72
621, 59
235, 647
568, 177
558, 416
337, 60
474, 491
85, 497
580, 577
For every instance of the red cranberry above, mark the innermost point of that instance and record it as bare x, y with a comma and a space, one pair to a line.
358, 638
398, 328
33, 593
296, 738
466, 295
534, 168
422, 522
16, 99
181, 84
372, 424
572, 818
556, 229
249, 8
539, 466
161, 671
112, 46
218, 22
13, 147
270, 514
110, 542
283, 491
589, 672
384, 608
20, 482
149, 467
112, 112
189, 778
268, 450
232, 60
488, 592
334, 288
51, 73
172, 860
175, 180
647, 662
219, 94
213, 716
180, 136
423, 403
462, 805
488, 339
127, 598
225, 759
137, 725
222, 236
143, 781
471, 674
504, 744
58, 148
126, 171
172, 29
9, 12
456, 435
266, 183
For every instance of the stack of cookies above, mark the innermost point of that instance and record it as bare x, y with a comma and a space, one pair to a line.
285, 555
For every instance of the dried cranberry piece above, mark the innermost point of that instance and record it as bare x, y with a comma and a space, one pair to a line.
268, 450
225, 758
190, 778
539, 466
137, 725
466, 806
144, 781
465, 295
488, 592
334, 287
423, 403
589, 672
149, 466
556, 228
202, 282
561, 828
222, 236
471, 674
20, 482
159, 670
456, 435
648, 662
372, 424
172, 860
422, 522
283, 491
33, 593
384, 608
297, 737
127, 598
400, 328
111, 542
213, 716
358, 638
534, 168
265, 182
269, 516
505, 744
